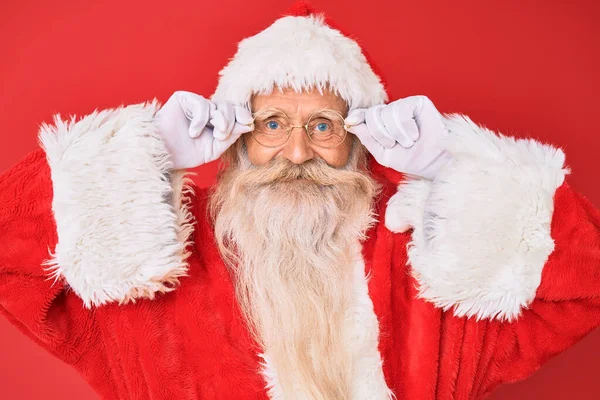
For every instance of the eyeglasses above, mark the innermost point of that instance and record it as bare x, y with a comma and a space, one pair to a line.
325, 128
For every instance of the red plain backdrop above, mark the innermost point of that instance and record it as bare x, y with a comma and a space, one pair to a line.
522, 67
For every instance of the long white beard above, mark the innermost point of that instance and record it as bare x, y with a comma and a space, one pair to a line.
286, 231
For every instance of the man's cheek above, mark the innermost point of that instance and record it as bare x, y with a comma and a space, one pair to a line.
336, 157
257, 154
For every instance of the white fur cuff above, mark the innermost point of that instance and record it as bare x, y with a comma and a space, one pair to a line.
120, 214
482, 228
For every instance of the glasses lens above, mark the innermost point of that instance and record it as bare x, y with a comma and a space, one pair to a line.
271, 128
326, 129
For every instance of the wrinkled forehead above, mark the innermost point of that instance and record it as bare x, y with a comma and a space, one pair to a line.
300, 104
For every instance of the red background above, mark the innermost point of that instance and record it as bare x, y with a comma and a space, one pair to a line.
522, 67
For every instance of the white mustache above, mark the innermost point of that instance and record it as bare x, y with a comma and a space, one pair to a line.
316, 171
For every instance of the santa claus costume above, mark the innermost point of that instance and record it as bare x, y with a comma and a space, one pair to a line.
108, 257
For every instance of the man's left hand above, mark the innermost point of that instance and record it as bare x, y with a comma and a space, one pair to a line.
404, 135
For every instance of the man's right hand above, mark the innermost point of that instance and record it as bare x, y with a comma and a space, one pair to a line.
197, 131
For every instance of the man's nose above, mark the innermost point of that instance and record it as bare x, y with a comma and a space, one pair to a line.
298, 149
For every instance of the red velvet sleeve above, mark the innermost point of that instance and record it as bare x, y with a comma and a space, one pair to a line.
43, 309
567, 303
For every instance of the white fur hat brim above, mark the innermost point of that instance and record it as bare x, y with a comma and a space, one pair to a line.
300, 52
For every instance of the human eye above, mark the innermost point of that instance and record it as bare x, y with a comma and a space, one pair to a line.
273, 125
270, 124
323, 127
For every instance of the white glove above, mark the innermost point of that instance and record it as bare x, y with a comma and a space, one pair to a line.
197, 131
404, 135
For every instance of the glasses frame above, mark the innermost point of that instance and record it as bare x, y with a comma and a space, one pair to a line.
305, 126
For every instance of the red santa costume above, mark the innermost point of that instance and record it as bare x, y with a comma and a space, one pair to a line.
108, 259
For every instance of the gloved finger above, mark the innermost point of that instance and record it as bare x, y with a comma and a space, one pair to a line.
219, 146
244, 122
398, 120
200, 115
365, 137
414, 107
192, 154
355, 117
187, 102
426, 114
243, 115
377, 128
223, 120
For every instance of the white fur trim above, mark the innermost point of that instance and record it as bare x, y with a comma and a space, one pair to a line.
368, 382
121, 216
301, 53
482, 228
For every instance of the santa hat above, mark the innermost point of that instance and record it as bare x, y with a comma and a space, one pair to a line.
301, 50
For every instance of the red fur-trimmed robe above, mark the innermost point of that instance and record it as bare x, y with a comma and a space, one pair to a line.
474, 279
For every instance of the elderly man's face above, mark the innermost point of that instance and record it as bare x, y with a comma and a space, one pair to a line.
299, 148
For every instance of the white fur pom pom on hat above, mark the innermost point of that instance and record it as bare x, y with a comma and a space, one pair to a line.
300, 52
